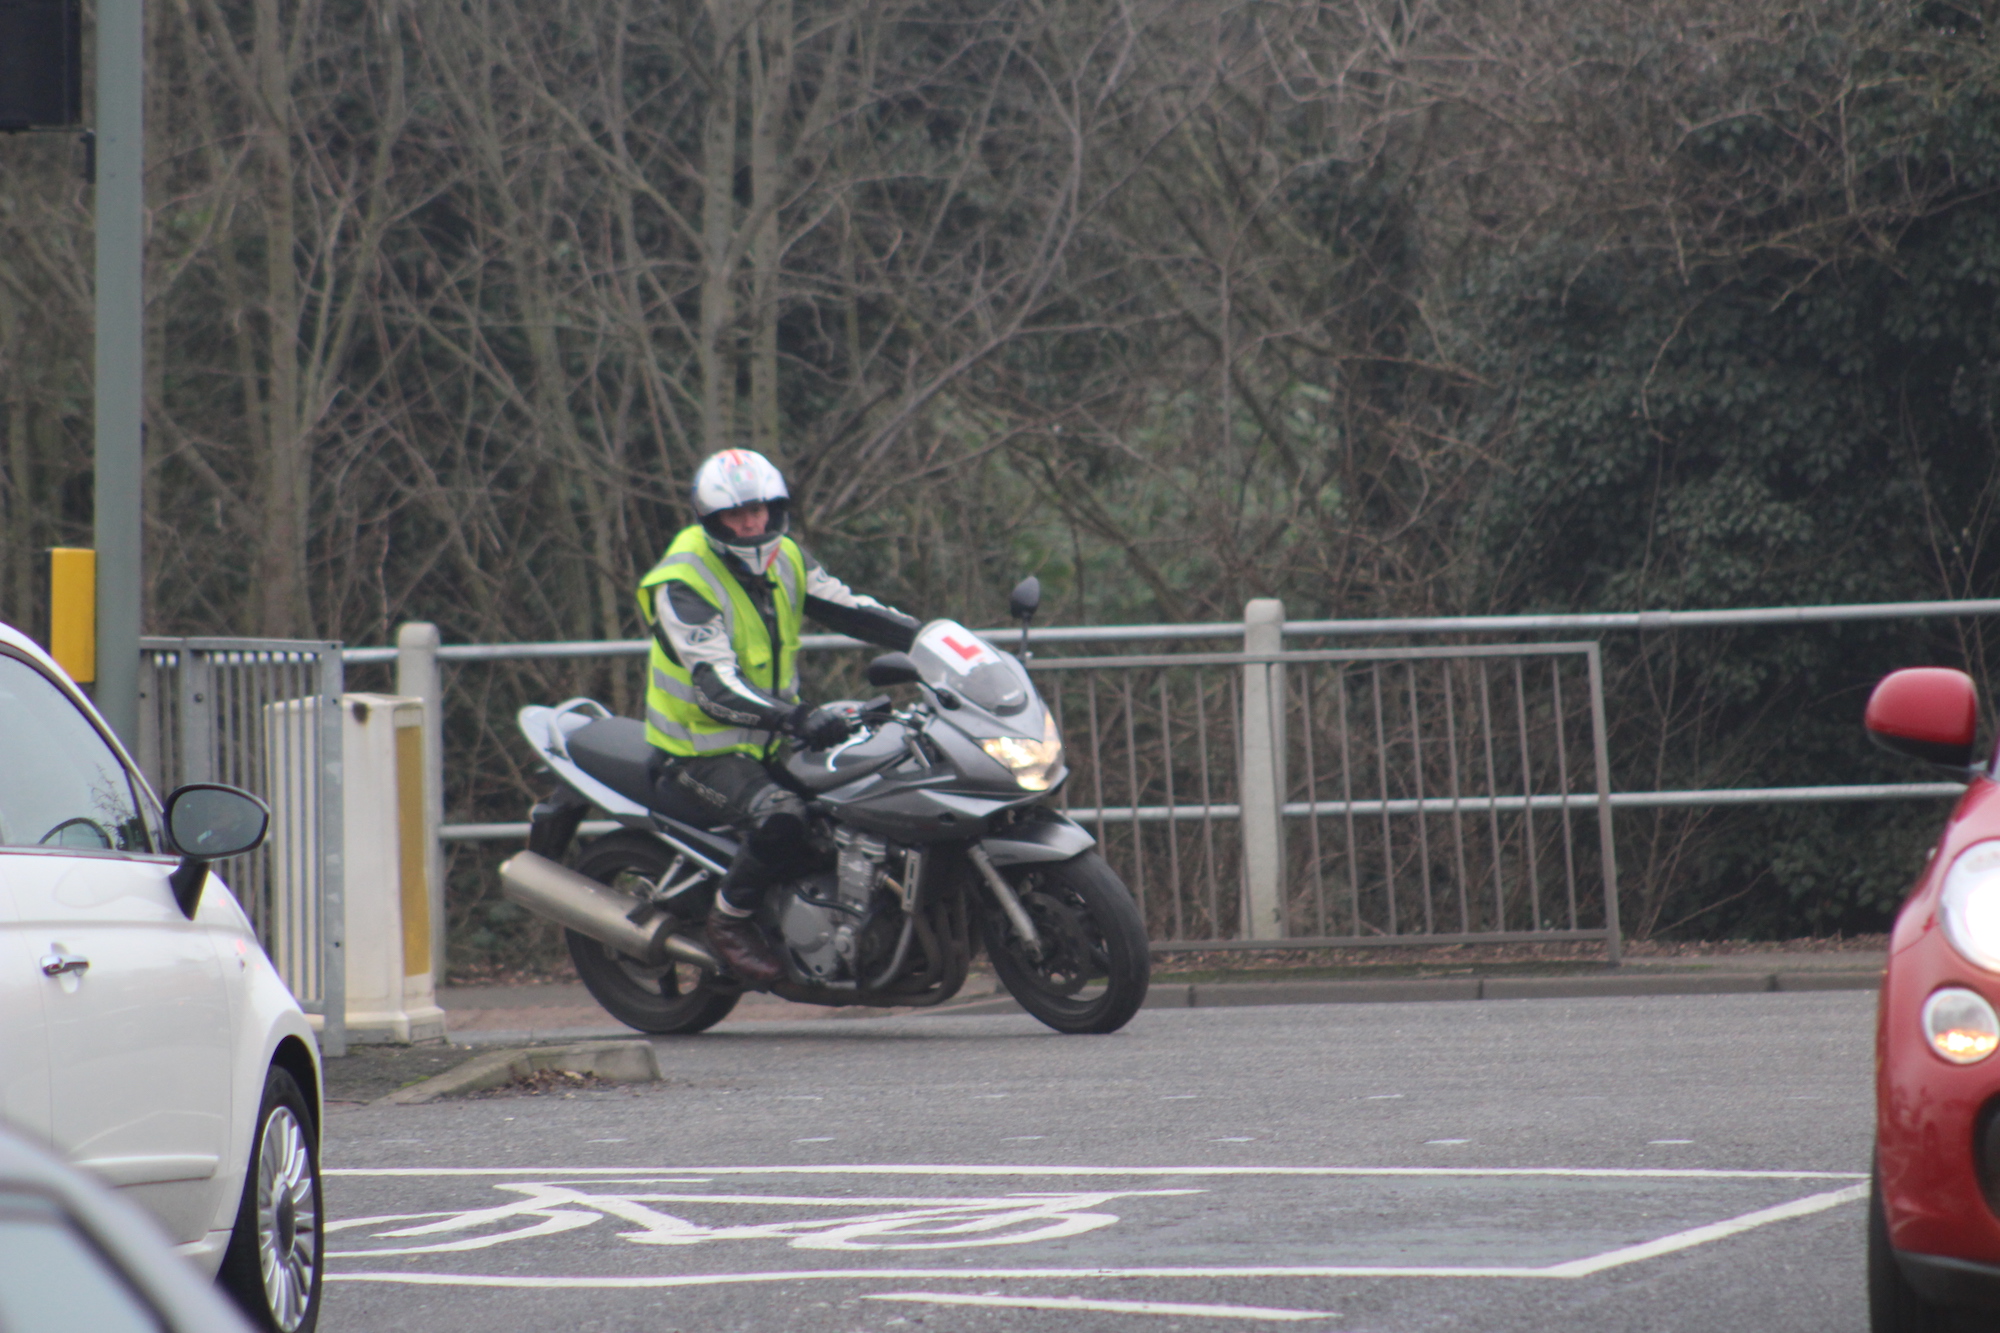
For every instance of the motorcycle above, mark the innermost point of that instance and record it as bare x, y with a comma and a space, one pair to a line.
929, 835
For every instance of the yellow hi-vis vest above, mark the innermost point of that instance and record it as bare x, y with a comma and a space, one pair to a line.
674, 720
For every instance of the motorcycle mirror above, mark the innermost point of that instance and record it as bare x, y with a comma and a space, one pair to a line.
1026, 597
893, 669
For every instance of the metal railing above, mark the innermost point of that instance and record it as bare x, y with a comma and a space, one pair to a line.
1595, 622
1414, 795
264, 715
1285, 888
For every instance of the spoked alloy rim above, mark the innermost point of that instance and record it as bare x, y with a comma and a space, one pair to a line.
668, 980
287, 1218
661, 979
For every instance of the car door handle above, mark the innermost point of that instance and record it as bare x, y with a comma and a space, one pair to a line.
55, 964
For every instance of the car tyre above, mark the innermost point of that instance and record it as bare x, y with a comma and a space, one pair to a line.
1894, 1306
276, 1252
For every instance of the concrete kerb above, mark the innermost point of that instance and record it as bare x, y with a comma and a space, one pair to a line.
1398, 990
1803, 973
1393, 990
628, 1061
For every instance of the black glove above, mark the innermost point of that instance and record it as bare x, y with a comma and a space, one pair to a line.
818, 728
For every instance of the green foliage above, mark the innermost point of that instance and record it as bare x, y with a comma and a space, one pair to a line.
1769, 423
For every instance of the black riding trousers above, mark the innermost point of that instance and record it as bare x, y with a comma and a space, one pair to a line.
738, 792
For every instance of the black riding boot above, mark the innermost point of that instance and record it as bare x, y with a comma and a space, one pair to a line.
734, 934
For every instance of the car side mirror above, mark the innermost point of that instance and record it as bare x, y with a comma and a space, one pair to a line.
1927, 713
893, 669
1026, 598
208, 821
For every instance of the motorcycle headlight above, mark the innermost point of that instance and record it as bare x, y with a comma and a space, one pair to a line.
1031, 762
1970, 904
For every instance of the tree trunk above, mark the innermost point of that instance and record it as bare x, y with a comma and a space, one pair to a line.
718, 232
770, 93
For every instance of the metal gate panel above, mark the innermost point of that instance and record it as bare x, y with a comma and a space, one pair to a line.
1430, 795
264, 715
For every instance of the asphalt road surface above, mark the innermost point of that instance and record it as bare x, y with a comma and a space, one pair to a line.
1673, 1163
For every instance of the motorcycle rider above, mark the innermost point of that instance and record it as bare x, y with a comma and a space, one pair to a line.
723, 607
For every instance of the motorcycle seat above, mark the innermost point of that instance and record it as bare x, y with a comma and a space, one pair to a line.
615, 751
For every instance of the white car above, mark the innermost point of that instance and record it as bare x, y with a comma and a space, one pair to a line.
75, 1255
144, 1034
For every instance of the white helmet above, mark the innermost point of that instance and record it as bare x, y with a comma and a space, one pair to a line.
729, 480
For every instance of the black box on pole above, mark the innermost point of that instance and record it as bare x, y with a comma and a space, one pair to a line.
41, 64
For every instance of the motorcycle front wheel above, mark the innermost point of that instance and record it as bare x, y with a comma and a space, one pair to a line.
661, 998
1092, 973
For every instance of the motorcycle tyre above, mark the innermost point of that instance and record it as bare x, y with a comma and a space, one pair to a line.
1087, 883
614, 980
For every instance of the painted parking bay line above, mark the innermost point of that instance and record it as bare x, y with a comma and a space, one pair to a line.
1735, 1226
1567, 1271
1106, 1307
934, 1169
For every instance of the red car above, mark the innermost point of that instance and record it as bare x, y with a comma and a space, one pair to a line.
1934, 1212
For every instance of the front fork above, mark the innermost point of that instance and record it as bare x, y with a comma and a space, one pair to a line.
1010, 902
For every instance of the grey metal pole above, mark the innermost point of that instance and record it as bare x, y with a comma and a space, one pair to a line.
1262, 775
1607, 846
332, 847
121, 203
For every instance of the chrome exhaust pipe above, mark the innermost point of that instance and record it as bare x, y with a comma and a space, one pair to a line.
588, 908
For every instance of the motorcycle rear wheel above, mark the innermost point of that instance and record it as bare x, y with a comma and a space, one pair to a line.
664, 998
1095, 967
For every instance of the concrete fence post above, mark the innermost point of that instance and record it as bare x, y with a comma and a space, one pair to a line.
1262, 773
417, 678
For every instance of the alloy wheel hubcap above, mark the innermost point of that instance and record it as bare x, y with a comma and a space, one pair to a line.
287, 1218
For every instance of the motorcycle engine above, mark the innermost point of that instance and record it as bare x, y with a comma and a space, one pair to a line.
825, 916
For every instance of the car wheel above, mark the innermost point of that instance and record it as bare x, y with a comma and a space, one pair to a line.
1894, 1306
272, 1266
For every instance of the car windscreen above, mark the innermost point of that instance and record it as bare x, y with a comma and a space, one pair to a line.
61, 785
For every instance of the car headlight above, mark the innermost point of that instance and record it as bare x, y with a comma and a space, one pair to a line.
1031, 762
1961, 1025
1970, 904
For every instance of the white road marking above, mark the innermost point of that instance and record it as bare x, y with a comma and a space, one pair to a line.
913, 1224
1567, 1271
825, 1140
1662, 1143
1109, 1307
1444, 1143
1735, 1226
1232, 1140
381, 1218
901, 1275
655, 1172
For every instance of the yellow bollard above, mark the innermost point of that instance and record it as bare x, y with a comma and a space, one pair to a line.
73, 611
